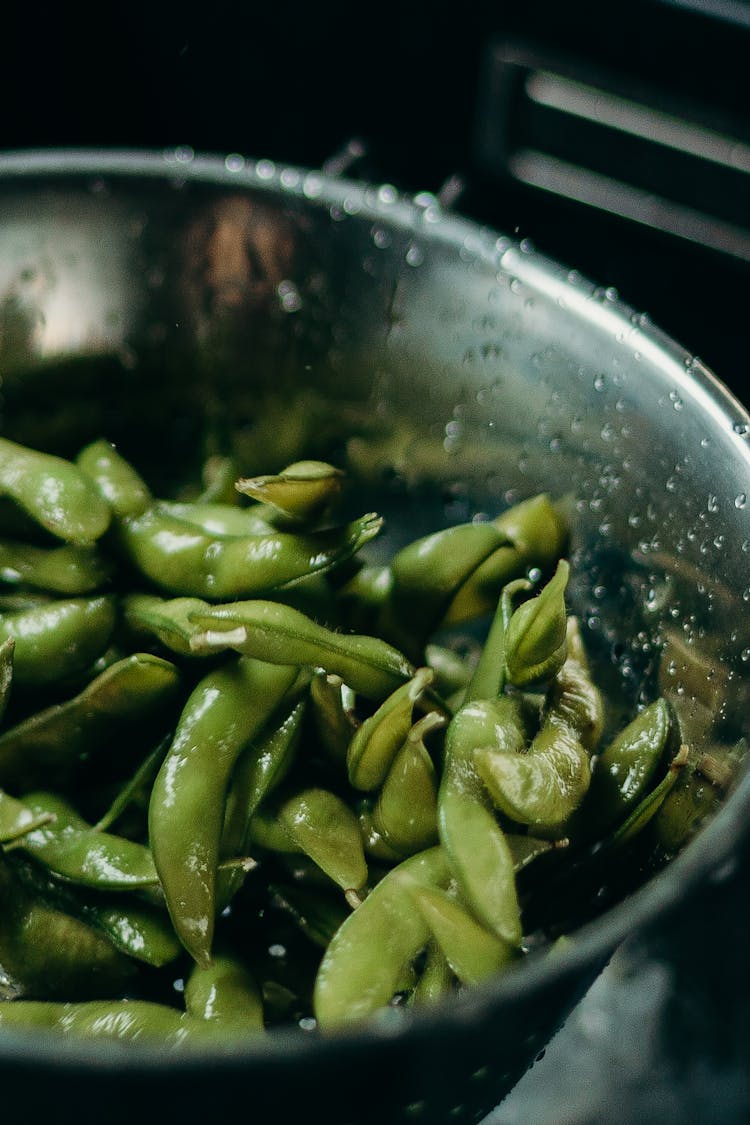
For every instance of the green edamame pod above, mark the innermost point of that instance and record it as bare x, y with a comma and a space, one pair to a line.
536, 634
54, 492
692, 800
573, 698
319, 824
278, 634
116, 481
472, 952
303, 491
16, 818
371, 953
226, 993
332, 710
183, 559
381, 735
534, 535
425, 576
624, 769
649, 806
71, 848
120, 1020
543, 787
436, 978
58, 639
48, 746
220, 519
477, 847
260, 768
69, 569
167, 619
224, 713
405, 814
47, 952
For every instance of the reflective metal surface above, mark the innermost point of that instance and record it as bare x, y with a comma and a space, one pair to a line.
153, 299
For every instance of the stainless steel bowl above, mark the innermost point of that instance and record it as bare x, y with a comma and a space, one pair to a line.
454, 370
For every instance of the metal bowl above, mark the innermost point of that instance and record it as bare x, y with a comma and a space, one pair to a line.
454, 370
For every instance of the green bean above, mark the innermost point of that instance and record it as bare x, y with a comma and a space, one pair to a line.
226, 710
536, 634
304, 491
120, 1020
624, 769
183, 559
366, 962
332, 706
692, 800
472, 952
48, 745
225, 993
114, 479
321, 825
405, 814
58, 639
534, 535
649, 806
436, 978
478, 849
543, 787
381, 735
279, 634
16, 818
68, 569
167, 619
220, 519
573, 698
54, 492
44, 951
70, 847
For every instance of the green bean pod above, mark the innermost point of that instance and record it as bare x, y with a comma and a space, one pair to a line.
116, 481
624, 770
543, 787
220, 519
534, 535
322, 826
224, 713
166, 619
332, 713
369, 956
58, 639
226, 993
17, 819
303, 491
183, 559
68, 569
47, 952
71, 848
50, 744
536, 634
381, 735
405, 814
436, 978
279, 634
54, 492
472, 952
478, 849
124, 1021
573, 698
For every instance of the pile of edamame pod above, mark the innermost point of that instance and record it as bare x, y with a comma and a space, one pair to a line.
245, 779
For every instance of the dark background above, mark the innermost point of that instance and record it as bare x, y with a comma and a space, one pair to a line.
413, 82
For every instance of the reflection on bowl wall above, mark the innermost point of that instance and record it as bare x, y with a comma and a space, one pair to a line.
168, 302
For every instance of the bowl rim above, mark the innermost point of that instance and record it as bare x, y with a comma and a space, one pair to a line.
708, 855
